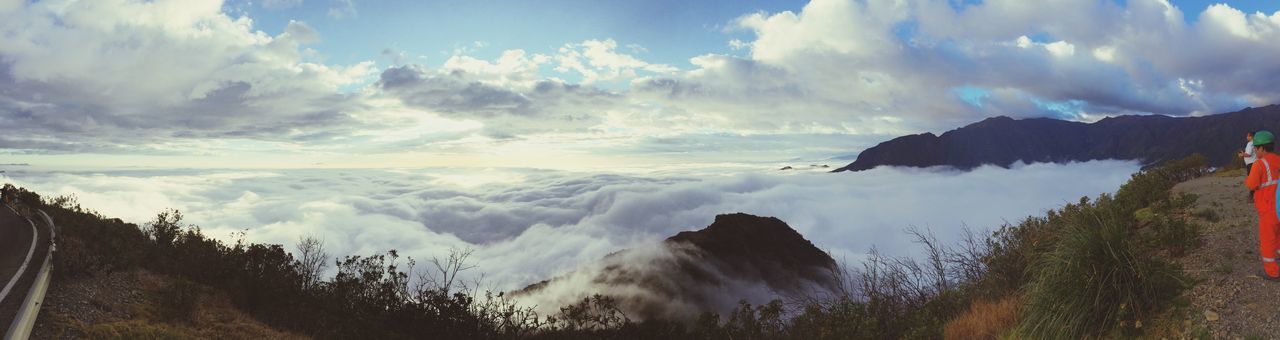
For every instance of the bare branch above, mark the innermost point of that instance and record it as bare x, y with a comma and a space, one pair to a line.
312, 260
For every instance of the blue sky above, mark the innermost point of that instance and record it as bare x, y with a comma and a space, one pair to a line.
589, 84
670, 31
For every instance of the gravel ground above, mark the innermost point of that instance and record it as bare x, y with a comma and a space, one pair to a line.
99, 299
1231, 301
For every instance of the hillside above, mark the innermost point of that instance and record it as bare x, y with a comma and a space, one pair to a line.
1003, 141
138, 304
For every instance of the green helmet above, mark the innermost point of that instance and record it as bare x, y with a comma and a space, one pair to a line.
1263, 137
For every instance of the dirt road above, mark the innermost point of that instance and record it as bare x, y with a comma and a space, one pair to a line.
1231, 301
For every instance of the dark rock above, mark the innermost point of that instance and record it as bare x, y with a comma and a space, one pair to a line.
739, 256
756, 247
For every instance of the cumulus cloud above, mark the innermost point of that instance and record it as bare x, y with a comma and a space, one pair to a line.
530, 225
597, 60
123, 75
506, 94
893, 66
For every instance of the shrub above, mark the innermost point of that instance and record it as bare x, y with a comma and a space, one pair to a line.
763, 322
1176, 236
178, 301
1094, 276
88, 243
1148, 186
594, 313
1008, 253
1168, 226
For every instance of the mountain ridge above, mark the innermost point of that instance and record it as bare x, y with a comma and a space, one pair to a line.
1003, 141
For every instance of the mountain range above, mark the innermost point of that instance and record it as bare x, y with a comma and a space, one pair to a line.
1003, 141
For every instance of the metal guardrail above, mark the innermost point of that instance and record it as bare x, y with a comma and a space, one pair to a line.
17, 276
25, 321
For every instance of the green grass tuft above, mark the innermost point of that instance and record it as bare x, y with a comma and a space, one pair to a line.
1095, 277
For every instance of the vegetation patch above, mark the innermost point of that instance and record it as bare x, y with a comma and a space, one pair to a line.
985, 320
1207, 214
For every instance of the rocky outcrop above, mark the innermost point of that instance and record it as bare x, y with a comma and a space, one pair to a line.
737, 257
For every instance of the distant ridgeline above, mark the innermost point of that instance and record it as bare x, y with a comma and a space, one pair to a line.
1002, 141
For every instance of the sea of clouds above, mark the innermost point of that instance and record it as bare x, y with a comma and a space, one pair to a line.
528, 225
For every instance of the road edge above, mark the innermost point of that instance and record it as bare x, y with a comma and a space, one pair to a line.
25, 321
35, 237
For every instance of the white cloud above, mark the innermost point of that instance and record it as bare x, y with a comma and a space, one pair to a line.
513, 68
1232, 21
599, 61
300, 32
1061, 49
342, 9
528, 225
123, 76
1105, 53
505, 95
849, 28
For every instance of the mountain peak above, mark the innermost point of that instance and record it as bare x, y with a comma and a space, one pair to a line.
1001, 118
752, 241
738, 256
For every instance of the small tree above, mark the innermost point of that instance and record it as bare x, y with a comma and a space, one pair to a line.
312, 260
445, 277
165, 228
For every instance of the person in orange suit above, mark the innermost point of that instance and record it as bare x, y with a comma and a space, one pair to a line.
1262, 181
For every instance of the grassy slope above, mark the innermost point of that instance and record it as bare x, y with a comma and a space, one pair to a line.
139, 304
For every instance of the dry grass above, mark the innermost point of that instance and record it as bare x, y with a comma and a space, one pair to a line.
216, 318
134, 329
984, 320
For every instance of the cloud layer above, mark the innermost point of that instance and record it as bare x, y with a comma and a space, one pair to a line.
528, 225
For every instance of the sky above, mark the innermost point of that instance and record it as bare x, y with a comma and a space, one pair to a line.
582, 85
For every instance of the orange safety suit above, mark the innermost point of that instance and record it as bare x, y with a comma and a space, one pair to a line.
1262, 180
